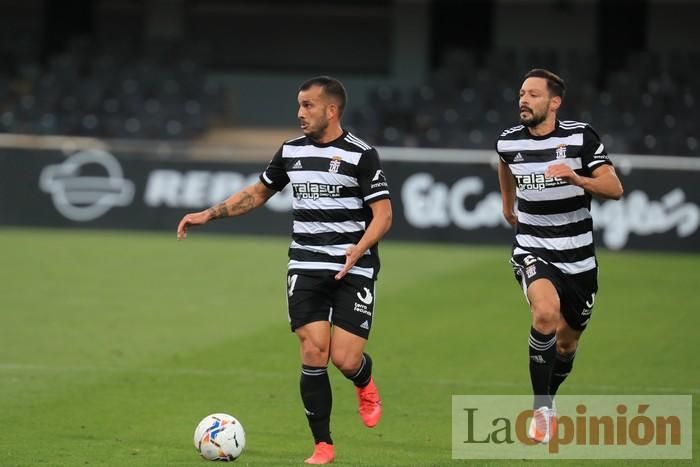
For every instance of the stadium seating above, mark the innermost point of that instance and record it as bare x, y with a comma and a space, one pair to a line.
111, 91
647, 106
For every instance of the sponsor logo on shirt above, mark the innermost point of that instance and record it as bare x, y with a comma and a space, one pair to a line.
311, 190
537, 181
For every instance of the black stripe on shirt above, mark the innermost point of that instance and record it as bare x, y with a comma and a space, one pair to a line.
553, 231
327, 238
557, 206
330, 215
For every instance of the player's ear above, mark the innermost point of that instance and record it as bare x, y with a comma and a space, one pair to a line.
555, 103
332, 110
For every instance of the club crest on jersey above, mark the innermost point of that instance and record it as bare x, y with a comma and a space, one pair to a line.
334, 164
561, 151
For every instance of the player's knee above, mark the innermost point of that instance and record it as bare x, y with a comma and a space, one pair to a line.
566, 348
346, 361
315, 355
545, 316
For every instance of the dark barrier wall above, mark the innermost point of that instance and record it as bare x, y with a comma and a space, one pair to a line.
436, 201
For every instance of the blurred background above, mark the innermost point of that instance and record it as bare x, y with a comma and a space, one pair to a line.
420, 73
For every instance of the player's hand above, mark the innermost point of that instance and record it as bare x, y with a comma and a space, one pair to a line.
511, 217
352, 254
195, 218
563, 172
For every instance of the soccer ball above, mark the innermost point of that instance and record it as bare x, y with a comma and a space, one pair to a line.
219, 437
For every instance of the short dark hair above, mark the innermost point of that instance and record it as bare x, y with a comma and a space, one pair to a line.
331, 87
555, 85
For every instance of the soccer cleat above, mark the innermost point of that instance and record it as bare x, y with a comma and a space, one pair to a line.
369, 404
543, 425
323, 454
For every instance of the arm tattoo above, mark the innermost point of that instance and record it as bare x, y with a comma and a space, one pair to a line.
242, 203
245, 203
218, 211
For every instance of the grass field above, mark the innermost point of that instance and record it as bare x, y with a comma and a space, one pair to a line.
114, 345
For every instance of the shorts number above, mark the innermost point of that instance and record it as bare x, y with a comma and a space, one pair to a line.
291, 282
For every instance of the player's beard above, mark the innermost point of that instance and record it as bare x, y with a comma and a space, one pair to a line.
317, 131
535, 120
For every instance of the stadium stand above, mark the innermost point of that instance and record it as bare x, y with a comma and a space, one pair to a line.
111, 91
647, 106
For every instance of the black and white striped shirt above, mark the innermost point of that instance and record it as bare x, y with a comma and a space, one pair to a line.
554, 219
333, 185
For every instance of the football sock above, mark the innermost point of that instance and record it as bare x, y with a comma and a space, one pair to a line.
542, 351
362, 375
561, 369
318, 400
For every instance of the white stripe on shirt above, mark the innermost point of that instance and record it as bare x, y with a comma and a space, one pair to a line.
328, 203
555, 243
577, 267
527, 168
316, 266
550, 194
324, 227
333, 250
554, 219
534, 145
299, 152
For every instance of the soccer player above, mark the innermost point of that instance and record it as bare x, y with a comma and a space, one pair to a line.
341, 210
552, 167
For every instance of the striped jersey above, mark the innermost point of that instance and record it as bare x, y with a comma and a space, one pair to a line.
333, 185
554, 219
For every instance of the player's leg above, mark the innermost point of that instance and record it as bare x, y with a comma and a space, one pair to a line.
353, 314
541, 284
309, 307
576, 310
347, 354
544, 304
567, 343
315, 387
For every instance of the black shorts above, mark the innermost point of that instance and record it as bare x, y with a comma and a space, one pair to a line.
576, 291
347, 303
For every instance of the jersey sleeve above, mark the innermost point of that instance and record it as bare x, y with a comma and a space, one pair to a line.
275, 175
370, 176
500, 155
593, 153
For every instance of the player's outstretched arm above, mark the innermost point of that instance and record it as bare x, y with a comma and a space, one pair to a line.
507, 184
380, 225
236, 205
603, 182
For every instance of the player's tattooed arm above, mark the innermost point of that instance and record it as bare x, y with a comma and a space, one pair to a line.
218, 211
242, 202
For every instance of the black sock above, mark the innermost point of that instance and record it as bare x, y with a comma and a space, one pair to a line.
318, 400
362, 375
542, 351
562, 368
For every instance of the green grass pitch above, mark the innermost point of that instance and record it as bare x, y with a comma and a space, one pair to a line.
115, 344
